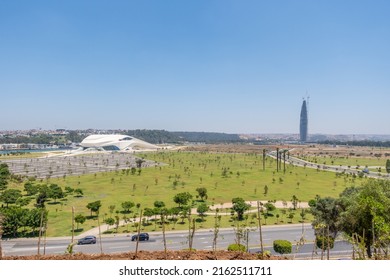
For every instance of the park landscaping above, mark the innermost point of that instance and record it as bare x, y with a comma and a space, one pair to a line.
356, 157
224, 175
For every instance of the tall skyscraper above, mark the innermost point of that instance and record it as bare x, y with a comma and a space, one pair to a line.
303, 123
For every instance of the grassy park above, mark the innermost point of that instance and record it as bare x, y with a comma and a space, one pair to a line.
224, 175
355, 157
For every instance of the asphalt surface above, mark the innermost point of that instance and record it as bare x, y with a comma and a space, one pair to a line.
301, 238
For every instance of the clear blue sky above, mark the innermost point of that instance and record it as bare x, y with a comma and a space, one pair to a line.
201, 65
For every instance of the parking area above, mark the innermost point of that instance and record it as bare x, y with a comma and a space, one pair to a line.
74, 165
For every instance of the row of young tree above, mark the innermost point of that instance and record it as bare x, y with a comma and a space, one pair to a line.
361, 213
182, 199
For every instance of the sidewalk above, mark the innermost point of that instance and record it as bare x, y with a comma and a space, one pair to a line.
278, 204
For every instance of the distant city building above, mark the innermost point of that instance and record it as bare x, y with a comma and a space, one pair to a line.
303, 125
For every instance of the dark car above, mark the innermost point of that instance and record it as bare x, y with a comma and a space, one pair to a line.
87, 240
140, 237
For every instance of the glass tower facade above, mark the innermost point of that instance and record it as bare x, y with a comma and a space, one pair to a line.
303, 123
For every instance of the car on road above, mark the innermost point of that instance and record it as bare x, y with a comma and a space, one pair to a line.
140, 237
90, 239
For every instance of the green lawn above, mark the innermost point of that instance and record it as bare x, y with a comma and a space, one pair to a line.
208, 222
348, 161
184, 172
22, 155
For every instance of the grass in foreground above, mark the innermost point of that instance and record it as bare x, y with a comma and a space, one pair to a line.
225, 176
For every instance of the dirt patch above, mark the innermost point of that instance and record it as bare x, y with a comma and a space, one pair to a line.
153, 255
235, 148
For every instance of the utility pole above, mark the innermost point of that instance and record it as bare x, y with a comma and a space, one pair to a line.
40, 232
1, 235
261, 234
138, 231
100, 234
72, 224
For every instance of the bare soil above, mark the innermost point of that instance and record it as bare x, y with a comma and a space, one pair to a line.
155, 255
235, 148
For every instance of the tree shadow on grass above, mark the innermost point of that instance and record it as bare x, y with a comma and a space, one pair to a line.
53, 202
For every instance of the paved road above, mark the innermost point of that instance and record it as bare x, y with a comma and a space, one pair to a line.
176, 241
333, 168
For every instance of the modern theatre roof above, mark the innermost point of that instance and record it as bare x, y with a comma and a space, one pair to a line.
114, 142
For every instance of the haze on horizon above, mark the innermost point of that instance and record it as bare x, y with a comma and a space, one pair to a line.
197, 65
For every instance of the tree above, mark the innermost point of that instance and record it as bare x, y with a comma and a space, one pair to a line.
202, 192
110, 222
4, 176
14, 218
182, 198
269, 207
324, 242
148, 212
239, 206
388, 166
79, 219
366, 214
10, 196
34, 218
23, 201
326, 211
94, 206
78, 192
294, 201
159, 204
42, 196
127, 205
55, 192
291, 216
139, 162
31, 189
111, 208
1, 234
202, 209
69, 190
4, 171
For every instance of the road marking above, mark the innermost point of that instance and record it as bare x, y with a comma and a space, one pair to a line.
119, 247
36, 248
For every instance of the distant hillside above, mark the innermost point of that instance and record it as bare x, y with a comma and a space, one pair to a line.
208, 137
365, 143
154, 136
163, 136
151, 136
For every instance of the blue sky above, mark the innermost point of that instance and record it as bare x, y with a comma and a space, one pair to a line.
223, 66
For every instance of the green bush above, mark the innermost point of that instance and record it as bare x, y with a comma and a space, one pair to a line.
282, 246
237, 248
190, 250
322, 242
265, 255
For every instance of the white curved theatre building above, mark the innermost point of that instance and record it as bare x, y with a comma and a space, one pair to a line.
115, 142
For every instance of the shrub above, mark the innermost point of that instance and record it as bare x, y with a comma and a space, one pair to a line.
282, 246
237, 248
322, 242
265, 255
